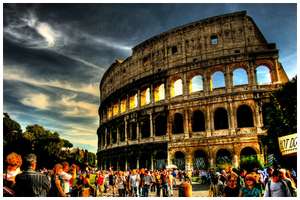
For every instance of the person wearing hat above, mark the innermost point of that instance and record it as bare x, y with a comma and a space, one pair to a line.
250, 190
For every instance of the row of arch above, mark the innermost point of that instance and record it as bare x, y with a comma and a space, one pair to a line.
244, 119
201, 159
147, 96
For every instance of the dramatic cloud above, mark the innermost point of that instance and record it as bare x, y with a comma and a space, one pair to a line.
39, 101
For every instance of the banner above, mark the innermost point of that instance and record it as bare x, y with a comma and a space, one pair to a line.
288, 144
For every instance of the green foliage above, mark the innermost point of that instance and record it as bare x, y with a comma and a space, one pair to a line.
250, 162
280, 116
47, 145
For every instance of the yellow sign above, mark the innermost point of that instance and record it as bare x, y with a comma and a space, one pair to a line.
288, 144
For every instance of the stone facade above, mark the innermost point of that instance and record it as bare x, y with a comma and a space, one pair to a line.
162, 105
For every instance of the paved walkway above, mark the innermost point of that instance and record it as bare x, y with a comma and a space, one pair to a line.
199, 190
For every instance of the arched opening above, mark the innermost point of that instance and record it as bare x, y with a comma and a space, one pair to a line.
131, 162
248, 151
145, 127
249, 159
123, 105
160, 160
218, 80
240, 77
224, 158
114, 135
133, 101
160, 125
220, 119
198, 121
176, 88
179, 160
132, 131
159, 92
109, 112
214, 39
263, 75
145, 161
178, 123
196, 84
122, 131
145, 97
108, 136
200, 160
244, 116
115, 109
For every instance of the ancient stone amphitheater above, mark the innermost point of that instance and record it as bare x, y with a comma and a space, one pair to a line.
193, 96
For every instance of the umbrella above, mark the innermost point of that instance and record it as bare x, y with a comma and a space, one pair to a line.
172, 166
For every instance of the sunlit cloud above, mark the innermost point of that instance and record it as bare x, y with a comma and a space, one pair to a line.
77, 108
40, 101
25, 29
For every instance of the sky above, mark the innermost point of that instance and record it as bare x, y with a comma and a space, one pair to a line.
54, 55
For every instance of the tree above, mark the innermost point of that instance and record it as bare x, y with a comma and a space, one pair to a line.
280, 116
12, 135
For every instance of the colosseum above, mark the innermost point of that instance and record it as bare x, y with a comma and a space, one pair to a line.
192, 96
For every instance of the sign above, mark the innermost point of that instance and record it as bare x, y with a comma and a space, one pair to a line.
288, 144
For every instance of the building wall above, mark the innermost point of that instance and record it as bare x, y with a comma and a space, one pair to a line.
182, 53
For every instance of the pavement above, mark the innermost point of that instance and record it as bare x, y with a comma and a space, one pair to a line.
199, 190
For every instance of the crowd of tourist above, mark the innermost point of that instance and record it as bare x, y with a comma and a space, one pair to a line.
68, 180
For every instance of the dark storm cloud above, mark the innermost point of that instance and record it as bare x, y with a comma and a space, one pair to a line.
46, 64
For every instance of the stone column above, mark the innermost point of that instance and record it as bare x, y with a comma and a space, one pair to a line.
228, 79
138, 134
139, 98
126, 164
231, 117
258, 116
151, 94
252, 74
118, 135
105, 138
186, 123
208, 122
189, 162
185, 86
138, 163
151, 124
126, 124
152, 168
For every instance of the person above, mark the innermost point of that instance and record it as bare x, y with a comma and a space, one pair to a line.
250, 190
120, 182
231, 189
277, 187
164, 183
66, 177
290, 183
56, 189
158, 183
112, 181
14, 162
100, 183
146, 183
31, 183
185, 188
77, 188
134, 183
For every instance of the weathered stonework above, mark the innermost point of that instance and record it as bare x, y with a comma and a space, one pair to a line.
222, 43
